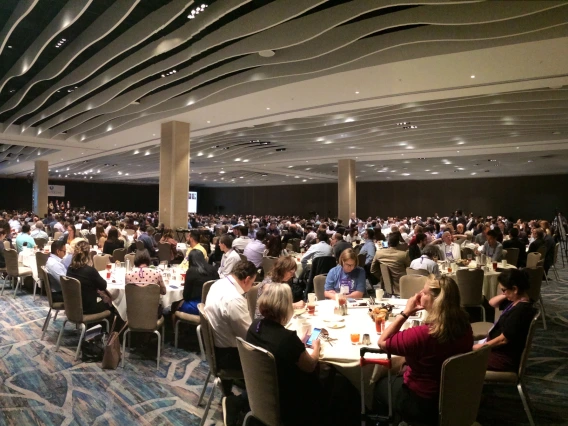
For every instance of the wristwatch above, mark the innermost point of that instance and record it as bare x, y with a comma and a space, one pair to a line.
404, 315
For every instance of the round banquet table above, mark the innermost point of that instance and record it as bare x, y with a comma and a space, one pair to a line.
115, 287
341, 353
490, 282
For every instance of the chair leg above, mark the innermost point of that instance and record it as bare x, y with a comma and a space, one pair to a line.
206, 411
163, 335
107, 324
35, 289
200, 341
83, 330
526, 402
176, 334
3, 284
204, 388
18, 281
543, 312
159, 345
46, 323
482, 312
124, 346
55, 317
60, 335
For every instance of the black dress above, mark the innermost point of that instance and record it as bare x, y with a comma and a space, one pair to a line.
91, 281
300, 392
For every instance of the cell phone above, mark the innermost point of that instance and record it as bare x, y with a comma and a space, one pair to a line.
385, 244
315, 334
174, 286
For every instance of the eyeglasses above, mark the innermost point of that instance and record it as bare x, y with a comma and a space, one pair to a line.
503, 289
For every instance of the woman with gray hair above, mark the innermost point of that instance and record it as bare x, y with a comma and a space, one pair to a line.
298, 386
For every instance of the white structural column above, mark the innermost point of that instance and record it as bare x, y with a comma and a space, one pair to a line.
174, 174
346, 189
41, 180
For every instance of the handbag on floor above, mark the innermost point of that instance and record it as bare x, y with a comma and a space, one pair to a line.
112, 352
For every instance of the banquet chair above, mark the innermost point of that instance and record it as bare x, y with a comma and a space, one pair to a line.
402, 247
7, 244
535, 283
252, 297
465, 251
53, 306
218, 375
295, 244
533, 259
242, 256
423, 272
267, 264
517, 378
357, 249
73, 305
387, 278
40, 242
470, 285
261, 380
289, 248
410, 285
92, 239
41, 260
205, 290
157, 237
319, 286
504, 254
361, 259
118, 255
164, 252
15, 271
512, 256
57, 235
100, 261
130, 257
130, 232
320, 265
542, 251
142, 303
139, 245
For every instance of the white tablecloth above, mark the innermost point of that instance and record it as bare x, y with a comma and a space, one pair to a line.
115, 287
28, 259
490, 282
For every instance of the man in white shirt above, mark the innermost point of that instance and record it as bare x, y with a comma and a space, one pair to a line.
58, 226
56, 269
38, 232
322, 248
227, 310
15, 224
426, 261
254, 251
243, 240
448, 249
230, 257
352, 220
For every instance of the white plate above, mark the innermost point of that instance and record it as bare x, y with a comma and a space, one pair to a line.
335, 318
336, 325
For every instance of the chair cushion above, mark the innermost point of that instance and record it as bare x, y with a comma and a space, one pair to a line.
193, 319
500, 377
480, 329
58, 306
23, 271
143, 330
96, 317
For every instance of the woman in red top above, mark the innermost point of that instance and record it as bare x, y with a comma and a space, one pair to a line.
446, 333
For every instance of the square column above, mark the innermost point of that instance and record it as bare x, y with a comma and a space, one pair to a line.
347, 189
174, 174
41, 180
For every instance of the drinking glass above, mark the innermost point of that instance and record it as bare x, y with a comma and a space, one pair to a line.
355, 338
311, 308
469, 257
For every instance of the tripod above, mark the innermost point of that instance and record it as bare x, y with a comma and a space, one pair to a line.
561, 233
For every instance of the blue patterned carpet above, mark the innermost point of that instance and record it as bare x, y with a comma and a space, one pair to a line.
41, 387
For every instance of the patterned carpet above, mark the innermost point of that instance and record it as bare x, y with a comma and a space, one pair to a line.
41, 387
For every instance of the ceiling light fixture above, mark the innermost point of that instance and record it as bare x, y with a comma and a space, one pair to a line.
196, 11
136, 152
267, 53
268, 108
434, 173
60, 43
356, 93
472, 76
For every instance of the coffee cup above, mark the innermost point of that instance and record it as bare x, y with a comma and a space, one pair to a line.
312, 298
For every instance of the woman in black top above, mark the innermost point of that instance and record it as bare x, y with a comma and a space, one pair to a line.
112, 243
92, 284
198, 274
299, 390
508, 336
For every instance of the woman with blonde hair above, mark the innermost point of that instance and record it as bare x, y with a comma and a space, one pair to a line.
445, 333
297, 380
101, 235
282, 272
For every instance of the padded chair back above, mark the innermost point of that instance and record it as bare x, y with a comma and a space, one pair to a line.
402, 247
139, 245
101, 261
533, 259
205, 290
295, 244
11, 257
118, 254
465, 251
542, 251
361, 259
40, 242
157, 237
267, 264
72, 299
7, 244
319, 286
41, 260
461, 386
208, 339
130, 257
357, 249
320, 265
512, 256
44, 277
503, 254
164, 252
470, 285
130, 232
535, 282
242, 256
261, 379
57, 235
92, 239
410, 285
252, 297
387, 279
528, 346
422, 272
142, 306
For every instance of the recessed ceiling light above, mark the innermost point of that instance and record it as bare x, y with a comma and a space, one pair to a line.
199, 154
530, 161
267, 53
208, 122
245, 161
434, 173
427, 170
267, 108
297, 177
222, 171
349, 120
237, 159
406, 174
472, 76
136, 152
9, 46
356, 93
304, 180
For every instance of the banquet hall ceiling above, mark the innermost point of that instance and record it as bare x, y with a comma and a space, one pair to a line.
272, 84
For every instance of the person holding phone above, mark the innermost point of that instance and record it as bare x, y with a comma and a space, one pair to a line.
346, 275
299, 389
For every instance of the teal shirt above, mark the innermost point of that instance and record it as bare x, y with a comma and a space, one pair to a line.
24, 238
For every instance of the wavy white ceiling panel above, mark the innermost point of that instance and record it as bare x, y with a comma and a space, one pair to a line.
22, 9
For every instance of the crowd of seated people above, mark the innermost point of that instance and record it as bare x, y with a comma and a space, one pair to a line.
230, 251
